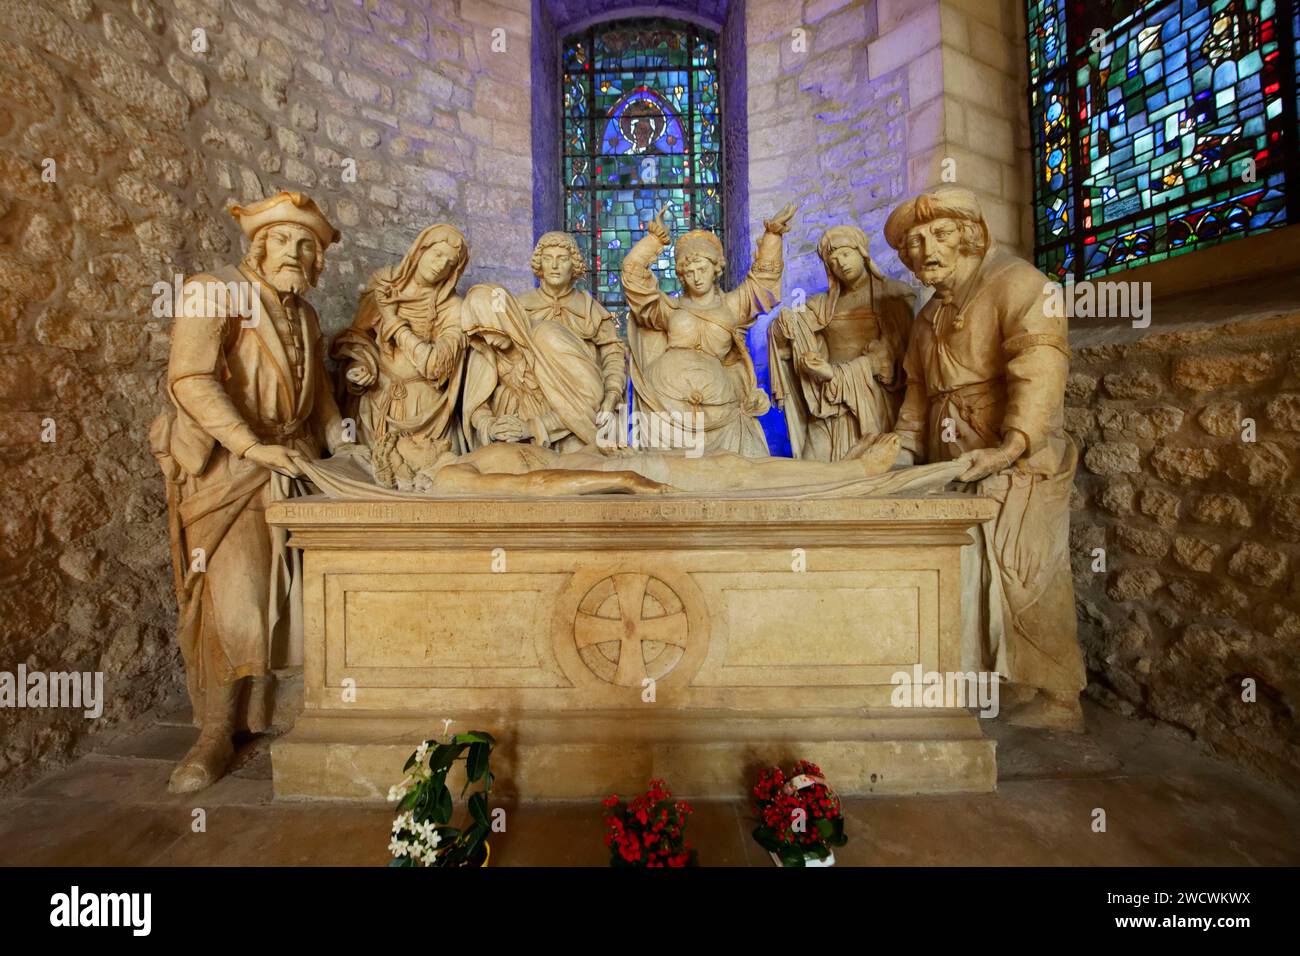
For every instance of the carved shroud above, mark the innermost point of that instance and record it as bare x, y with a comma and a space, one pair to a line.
348, 479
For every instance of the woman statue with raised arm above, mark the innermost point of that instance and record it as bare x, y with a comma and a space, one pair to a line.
690, 365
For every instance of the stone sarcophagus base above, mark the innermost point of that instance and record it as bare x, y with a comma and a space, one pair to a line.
608, 640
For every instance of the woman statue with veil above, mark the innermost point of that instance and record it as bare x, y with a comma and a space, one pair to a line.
404, 353
536, 383
836, 363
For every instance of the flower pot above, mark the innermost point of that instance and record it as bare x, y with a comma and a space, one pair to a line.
809, 859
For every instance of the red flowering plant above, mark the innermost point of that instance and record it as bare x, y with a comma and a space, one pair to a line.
649, 830
798, 816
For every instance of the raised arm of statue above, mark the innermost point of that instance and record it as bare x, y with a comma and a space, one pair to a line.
761, 288
644, 300
640, 287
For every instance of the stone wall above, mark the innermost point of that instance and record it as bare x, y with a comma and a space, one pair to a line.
1190, 450
826, 130
152, 139
985, 115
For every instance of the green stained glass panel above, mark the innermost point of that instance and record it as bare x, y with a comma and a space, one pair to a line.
1158, 126
642, 132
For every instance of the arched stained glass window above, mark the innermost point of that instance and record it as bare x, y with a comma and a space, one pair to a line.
1159, 127
641, 131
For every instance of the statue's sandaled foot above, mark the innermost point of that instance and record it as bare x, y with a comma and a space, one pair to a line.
876, 452
204, 765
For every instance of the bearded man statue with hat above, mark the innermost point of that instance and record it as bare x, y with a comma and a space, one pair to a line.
986, 368
691, 368
251, 401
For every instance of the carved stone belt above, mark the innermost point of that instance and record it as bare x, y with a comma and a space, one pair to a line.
268, 431
397, 390
960, 398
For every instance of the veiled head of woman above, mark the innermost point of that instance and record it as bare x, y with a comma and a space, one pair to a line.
844, 250
435, 260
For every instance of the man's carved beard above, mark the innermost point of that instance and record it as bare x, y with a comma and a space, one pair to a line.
288, 279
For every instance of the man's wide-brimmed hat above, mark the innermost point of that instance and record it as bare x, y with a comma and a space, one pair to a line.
946, 202
285, 206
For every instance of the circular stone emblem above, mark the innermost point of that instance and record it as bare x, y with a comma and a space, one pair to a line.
630, 627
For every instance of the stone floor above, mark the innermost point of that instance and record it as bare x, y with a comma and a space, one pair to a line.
1166, 803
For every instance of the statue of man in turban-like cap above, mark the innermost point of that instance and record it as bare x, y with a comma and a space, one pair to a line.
986, 369
251, 400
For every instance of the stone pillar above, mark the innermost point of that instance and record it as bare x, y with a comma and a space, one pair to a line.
968, 121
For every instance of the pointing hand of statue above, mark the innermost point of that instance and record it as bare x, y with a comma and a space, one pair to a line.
779, 223
655, 227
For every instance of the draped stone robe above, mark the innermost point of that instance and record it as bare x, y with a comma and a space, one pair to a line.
416, 389
988, 360
591, 322
826, 419
233, 387
549, 378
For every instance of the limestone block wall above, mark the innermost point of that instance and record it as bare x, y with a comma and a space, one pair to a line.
973, 127
152, 139
826, 129
1190, 454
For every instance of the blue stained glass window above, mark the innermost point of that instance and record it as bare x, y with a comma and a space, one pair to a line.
642, 131
1159, 127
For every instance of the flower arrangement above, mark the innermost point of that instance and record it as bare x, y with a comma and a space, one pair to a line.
649, 830
799, 817
422, 833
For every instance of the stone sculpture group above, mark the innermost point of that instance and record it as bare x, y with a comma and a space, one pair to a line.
496, 394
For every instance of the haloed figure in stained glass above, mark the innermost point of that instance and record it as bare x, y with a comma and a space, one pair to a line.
691, 368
